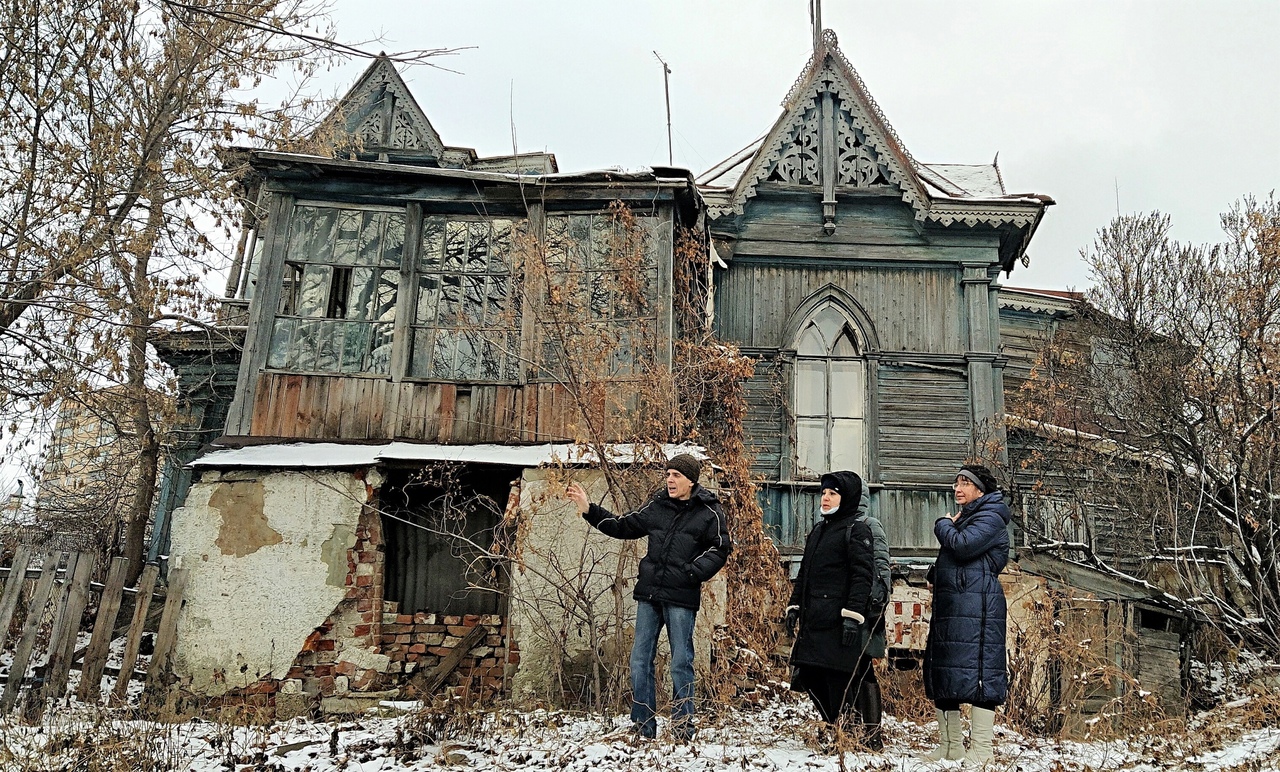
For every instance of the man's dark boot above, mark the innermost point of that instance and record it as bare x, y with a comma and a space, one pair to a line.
869, 713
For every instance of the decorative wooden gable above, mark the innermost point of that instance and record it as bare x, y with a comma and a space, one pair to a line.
832, 134
381, 116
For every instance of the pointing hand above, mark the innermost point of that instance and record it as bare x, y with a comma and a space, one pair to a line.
578, 496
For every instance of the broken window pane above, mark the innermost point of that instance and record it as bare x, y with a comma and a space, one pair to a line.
342, 300
845, 346
464, 301
345, 245
811, 343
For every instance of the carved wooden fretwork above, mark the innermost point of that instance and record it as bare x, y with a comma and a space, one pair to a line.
383, 115
404, 135
370, 132
857, 164
866, 151
798, 159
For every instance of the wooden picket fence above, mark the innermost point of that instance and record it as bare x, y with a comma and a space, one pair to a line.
70, 594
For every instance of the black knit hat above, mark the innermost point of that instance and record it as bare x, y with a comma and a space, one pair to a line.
686, 465
985, 480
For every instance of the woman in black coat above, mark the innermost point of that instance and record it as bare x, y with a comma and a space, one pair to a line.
964, 657
831, 604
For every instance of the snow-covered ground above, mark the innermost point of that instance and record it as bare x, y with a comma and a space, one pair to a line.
780, 736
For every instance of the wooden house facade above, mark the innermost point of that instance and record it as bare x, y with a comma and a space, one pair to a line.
390, 297
866, 284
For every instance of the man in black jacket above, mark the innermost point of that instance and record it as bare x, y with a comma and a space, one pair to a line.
688, 544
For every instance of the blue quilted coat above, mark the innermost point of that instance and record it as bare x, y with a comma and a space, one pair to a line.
964, 658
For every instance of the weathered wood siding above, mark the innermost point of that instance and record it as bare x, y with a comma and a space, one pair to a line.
923, 428
908, 516
348, 408
912, 309
1022, 337
766, 424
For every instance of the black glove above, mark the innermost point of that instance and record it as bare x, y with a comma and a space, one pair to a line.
791, 619
851, 632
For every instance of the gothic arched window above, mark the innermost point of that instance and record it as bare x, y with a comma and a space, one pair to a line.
830, 398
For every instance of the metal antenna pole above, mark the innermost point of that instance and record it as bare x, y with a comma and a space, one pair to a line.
666, 88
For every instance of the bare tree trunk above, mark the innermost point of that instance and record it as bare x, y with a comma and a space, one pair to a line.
139, 400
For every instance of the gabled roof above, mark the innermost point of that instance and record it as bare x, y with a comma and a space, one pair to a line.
380, 117
869, 155
380, 112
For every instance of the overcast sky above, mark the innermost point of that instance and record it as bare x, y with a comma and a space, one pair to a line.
1174, 103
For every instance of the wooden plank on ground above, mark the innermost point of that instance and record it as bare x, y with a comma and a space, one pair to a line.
168, 631
12, 589
142, 601
62, 646
95, 658
22, 655
427, 683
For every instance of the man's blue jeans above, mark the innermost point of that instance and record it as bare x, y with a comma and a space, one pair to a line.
650, 619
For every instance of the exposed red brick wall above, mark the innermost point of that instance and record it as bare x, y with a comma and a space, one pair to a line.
417, 642
367, 646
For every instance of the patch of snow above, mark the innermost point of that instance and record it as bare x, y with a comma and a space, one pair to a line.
295, 455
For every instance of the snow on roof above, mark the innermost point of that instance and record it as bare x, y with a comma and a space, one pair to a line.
966, 180
1041, 301
609, 174
299, 455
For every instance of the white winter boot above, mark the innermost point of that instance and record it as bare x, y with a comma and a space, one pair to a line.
950, 737
980, 732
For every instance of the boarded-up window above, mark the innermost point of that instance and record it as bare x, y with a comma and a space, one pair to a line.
830, 396
466, 326
338, 298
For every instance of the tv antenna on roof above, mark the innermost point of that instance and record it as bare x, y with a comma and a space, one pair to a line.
666, 90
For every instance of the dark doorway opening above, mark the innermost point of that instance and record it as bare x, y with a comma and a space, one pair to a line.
439, 525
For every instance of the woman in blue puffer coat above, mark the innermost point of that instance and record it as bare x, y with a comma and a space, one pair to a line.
964, 658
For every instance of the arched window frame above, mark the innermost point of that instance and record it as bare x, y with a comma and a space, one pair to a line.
831, 384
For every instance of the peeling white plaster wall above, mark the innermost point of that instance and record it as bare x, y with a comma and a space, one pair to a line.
267, 556
559, 549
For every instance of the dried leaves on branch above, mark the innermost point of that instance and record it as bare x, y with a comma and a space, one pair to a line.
113, 204
1172, 378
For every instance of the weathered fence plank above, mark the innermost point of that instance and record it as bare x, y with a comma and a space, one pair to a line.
12, 589
62, 645
95, 658
22, 655
168, 631
142, 602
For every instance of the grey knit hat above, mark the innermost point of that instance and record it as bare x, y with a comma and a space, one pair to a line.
686, 465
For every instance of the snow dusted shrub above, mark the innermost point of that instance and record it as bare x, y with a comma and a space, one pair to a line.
1069, 661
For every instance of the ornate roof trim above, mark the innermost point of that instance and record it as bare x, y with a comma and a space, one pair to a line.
353, 111
949, 203
830, 63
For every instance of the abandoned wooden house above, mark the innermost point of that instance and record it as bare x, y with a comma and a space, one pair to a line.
864, 282
389, 329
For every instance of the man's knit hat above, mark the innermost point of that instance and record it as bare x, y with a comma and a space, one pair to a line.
686, 465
